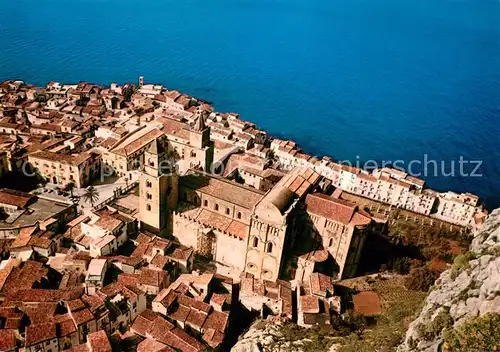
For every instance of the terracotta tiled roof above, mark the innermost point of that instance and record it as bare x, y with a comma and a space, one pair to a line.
128, 279
66, 328
223, 189
141, 325
330, 208
75, 305
40, 242
159, 261
196, 318
213, 338
139, 143
108, 222
321, 284
38, 313
94, 302
238, 229
152, 277
150, 345
180, 314
214, 220
180, 253
15, 198
40, 333
12, 323
219, 298
149, 314
82, 316
7, 340
181, 340
217, 320
159, 328
309, 304
99, 341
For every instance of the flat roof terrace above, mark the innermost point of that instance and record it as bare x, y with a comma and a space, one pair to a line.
40, 210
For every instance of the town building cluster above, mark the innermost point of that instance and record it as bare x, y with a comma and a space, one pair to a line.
216, 216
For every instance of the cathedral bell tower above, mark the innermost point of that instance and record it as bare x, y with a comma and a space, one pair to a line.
158, 187
202, 149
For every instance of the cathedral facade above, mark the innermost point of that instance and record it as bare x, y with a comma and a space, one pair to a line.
244, 229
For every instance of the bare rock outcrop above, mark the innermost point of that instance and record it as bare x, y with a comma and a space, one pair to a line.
268, 336
468, 290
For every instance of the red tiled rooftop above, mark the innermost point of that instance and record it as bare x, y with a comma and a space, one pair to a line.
216, 320
159, 328
196, 318
213, 338
15, 198
7, 340
332, 208
141, 325
180, 314
82, 316
40, 333
150, 345
99, 342
309, 304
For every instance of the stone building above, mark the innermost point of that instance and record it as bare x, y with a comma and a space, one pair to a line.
338, 229
61, 169
244, 229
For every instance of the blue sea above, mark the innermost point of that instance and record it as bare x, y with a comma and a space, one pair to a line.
381, 80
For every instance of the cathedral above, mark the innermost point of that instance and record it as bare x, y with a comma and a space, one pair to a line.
243, 229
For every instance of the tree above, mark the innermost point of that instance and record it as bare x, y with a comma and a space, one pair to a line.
420, 279
91, 195
70, 187
401, 265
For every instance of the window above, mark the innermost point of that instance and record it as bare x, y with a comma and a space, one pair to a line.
205, 203
255, 242
228, 211
269, 247
149, 184
239, 215
330, 242
149, 196
148, 207
216, 206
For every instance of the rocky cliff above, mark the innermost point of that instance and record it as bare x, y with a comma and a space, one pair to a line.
266, 336
461, 311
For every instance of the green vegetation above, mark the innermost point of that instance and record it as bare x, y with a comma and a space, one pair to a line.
420, 279
385, 332
442, 321
69, 188
479, 334
461, 262
91, 195
312, 339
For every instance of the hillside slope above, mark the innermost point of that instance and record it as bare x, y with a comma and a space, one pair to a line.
462, 310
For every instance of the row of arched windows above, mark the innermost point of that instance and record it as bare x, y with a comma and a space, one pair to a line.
217, 208
269, 245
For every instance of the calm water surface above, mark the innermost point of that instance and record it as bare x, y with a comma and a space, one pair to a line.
378, 79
